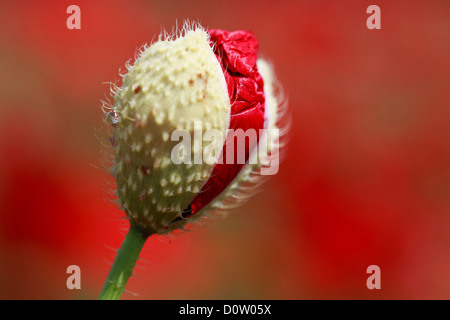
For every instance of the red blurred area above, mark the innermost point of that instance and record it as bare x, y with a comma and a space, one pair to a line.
366, 179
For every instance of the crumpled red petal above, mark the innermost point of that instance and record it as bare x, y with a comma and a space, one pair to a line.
237, 53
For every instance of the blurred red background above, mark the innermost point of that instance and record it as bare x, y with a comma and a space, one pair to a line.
366, 179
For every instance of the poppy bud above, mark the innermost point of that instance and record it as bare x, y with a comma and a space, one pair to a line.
196, 81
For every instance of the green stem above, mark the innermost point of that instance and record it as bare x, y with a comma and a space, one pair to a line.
123, 264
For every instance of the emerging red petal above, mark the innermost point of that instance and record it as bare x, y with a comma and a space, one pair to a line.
237, 53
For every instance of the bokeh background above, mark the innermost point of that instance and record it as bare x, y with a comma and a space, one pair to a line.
366, 179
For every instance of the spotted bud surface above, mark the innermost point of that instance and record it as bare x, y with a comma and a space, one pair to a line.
173, 84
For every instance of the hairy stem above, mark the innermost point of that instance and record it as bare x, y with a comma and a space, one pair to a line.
123, 264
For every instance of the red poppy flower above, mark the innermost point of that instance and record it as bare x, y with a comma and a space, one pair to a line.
191, 83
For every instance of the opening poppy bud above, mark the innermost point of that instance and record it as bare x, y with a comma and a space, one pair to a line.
187, 86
